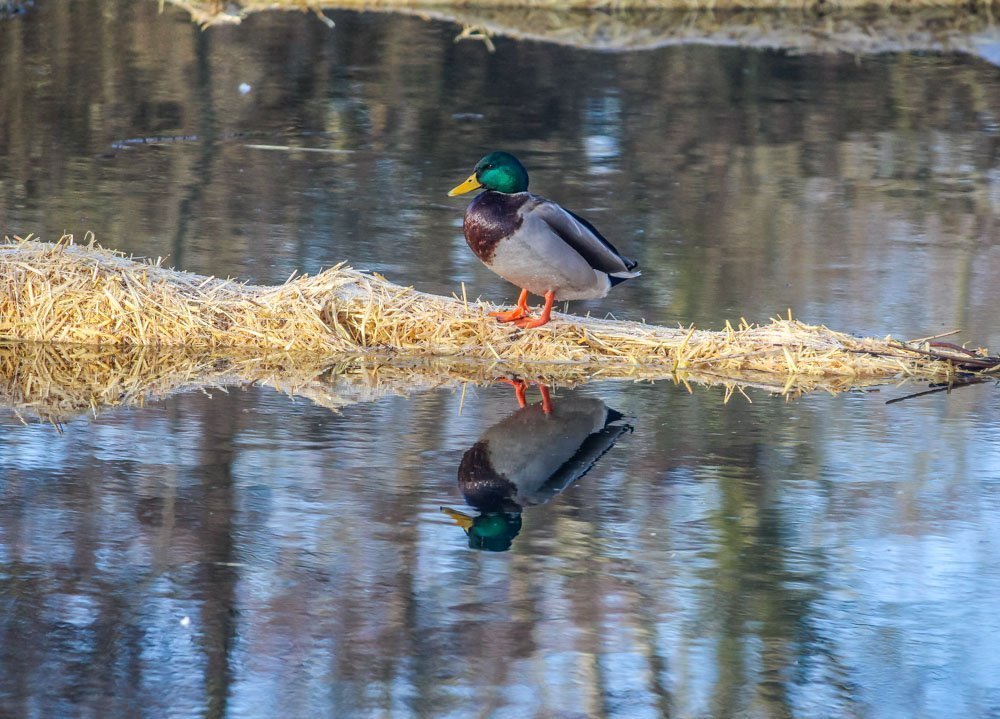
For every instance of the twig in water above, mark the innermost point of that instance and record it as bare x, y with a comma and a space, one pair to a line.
946, 387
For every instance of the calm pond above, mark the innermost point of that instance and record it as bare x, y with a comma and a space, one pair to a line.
243, 553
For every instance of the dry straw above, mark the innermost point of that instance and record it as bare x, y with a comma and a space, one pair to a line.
84, 294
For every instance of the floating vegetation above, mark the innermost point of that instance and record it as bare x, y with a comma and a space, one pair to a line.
88, 295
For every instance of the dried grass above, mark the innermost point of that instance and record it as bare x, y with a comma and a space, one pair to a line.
87, 295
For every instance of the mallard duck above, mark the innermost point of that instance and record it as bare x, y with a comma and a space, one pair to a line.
539, 246
527, 459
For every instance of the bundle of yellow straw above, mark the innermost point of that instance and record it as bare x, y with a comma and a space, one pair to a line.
85, 294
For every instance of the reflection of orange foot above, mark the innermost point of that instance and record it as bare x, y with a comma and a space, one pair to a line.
520, 387
529, 322
520, 310
546, 399
520, 391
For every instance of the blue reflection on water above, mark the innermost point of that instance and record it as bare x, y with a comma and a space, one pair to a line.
801, 552
242, 555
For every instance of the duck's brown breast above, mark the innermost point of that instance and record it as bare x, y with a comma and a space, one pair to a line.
491, 217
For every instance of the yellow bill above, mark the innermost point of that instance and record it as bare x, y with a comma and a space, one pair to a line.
468, 186
460, 518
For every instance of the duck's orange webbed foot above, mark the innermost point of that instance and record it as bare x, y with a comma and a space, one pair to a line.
510, 315
520, 310
529, 322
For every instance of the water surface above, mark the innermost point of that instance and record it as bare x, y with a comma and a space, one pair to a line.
244, 554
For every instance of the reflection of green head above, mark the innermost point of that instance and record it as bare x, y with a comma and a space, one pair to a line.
494, 531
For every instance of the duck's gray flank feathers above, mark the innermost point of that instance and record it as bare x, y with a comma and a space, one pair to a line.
586, 240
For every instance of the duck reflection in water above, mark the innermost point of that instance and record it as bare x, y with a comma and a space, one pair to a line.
528, 458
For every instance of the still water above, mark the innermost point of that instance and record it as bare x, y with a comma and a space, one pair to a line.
242, 553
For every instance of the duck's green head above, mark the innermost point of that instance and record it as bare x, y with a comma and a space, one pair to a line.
498, 171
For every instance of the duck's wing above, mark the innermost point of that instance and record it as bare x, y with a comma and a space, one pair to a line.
585, 239
589, 452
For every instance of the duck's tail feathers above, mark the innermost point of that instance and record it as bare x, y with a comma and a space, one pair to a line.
616, 278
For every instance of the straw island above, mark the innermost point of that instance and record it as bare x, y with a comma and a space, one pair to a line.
85, 294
